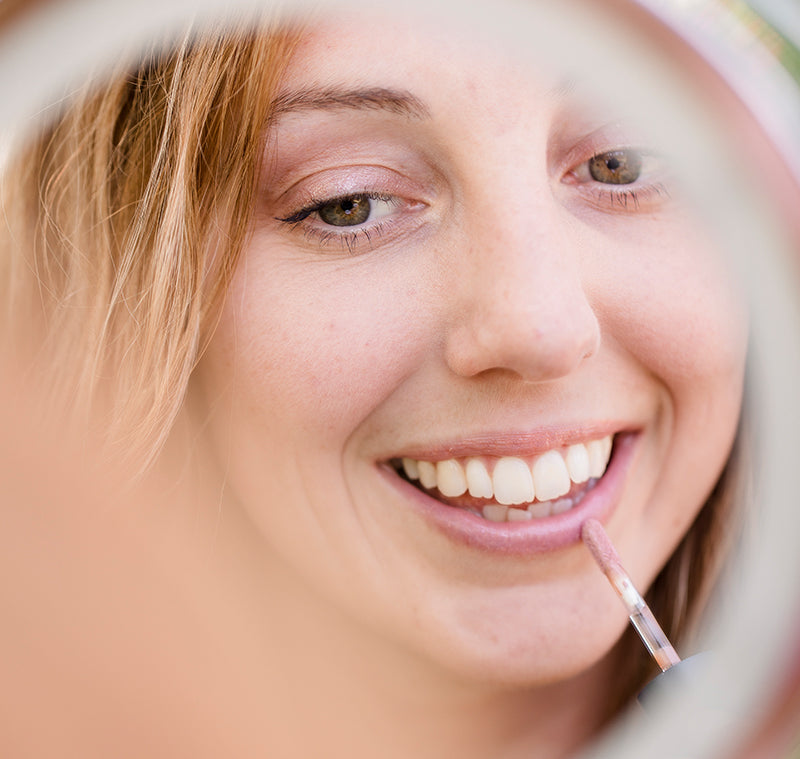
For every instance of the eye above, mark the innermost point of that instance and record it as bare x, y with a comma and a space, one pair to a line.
353, 210
369, 217
622, 179
347, 211
616, 166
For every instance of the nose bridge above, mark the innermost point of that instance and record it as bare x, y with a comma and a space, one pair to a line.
522, 304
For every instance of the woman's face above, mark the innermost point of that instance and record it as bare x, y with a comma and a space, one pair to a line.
439, 273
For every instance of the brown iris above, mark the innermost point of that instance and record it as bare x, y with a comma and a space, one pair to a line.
346, 212
616, 166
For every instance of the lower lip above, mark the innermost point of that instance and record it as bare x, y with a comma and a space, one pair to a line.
536, 535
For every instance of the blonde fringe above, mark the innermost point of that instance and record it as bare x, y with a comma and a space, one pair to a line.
108, 257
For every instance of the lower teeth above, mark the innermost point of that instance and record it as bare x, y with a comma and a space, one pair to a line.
495, 512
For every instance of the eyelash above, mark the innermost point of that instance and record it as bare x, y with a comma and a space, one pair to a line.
631, 199
348, 239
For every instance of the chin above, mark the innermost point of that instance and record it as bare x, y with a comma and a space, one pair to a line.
519, 638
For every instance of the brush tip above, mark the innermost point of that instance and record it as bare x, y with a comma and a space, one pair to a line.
599, 544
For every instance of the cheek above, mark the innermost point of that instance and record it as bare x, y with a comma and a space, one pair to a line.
673, 306
672, 301
317, 348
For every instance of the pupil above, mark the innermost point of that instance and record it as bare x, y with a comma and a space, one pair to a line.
612, 164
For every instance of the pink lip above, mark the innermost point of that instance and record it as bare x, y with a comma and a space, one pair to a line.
513, 444
536, 535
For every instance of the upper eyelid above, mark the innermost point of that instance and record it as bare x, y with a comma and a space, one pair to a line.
606, 138
336, 182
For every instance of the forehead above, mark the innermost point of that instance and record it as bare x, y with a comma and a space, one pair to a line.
466, 87
415, 53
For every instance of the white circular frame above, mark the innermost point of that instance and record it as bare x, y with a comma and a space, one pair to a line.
754, 635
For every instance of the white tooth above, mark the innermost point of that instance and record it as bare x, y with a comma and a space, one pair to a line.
427, 474
561, 505
450, 478
495, 512
540, 509
550, 476
577, 460
512, 482
599, 451
410, 468
478, 479
518, 515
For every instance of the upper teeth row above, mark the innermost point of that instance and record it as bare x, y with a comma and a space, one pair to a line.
514, 480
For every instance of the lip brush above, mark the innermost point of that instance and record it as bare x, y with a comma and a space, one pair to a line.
642, 619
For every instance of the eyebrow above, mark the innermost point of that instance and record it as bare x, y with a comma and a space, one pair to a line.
400, 102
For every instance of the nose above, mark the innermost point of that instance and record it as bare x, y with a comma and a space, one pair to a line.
521, 306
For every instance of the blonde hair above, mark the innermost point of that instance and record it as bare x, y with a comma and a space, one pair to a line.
112, 216
110, 213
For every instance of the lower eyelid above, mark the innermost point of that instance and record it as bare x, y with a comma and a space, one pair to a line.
630, 198
348, 239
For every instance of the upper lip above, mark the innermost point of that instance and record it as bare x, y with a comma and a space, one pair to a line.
520, 443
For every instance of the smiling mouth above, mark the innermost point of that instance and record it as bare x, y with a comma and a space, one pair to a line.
511, 488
